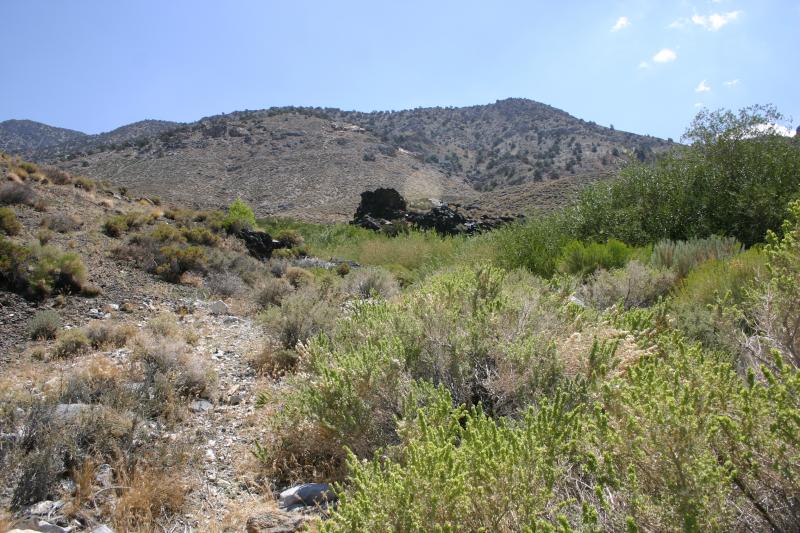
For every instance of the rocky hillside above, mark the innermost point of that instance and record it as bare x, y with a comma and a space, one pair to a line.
26, 137
41, 142
510, 142
292, 164
312, 163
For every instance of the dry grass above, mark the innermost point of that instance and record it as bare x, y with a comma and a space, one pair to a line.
149, 494
62, 223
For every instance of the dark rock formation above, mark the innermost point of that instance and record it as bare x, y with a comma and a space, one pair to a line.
259, 244
382, 203
385, 210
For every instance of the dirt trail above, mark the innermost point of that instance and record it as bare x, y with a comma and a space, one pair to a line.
221, 429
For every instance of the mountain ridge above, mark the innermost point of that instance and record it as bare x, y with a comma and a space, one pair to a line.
312, 163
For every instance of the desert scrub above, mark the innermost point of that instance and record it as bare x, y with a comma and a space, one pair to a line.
504, 481
200, 235
104, 334
38, 271
302, 314
369, 282
44, 325
62, 223
8, 221
173, 371
453, 330
636, 285
172, 261
117, 225
16, 193
683, 256
71, 342
272, 292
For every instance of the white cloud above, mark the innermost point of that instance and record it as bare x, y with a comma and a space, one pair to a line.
702, 87
644, 64
678, 24
731, 83
715, 21
699, 104
775, 129
622, 22
665, 55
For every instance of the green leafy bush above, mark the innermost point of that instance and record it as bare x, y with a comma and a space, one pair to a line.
8, 221
583, 259
736, 179
240, 216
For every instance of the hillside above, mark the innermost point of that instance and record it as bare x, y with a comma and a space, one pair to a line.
510, 142
312, 163
37, 141
28, 138
288, 163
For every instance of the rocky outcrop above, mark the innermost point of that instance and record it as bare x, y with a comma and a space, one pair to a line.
259, 244
381, 203
386, 210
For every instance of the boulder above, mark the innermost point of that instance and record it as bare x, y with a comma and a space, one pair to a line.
382, 203
306, 495
258, 243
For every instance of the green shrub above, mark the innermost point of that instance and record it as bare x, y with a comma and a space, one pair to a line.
172, 261
71, 342
38, 271
683, 256
166, 233
240, 216
44, 325
733, 180
289, 237
773, 310
55, 271
119, 224
702, 297
534, 245
198, 235
8, 221
82, 182
460, 470
14, 259
583, 259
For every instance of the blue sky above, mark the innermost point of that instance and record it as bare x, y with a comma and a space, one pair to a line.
644, 66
